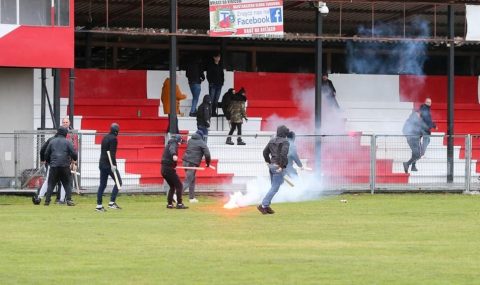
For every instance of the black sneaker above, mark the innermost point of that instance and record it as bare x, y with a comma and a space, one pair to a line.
57, 201
36, 200
193, 114
269, 210
170, 206
61, 203
405, 167
47, 203
241, 143
102, 209
229, 142
262, 209
181, 207
414, 167
70, 203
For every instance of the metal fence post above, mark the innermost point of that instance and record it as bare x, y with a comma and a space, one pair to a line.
373, 162
15, 156
468, 162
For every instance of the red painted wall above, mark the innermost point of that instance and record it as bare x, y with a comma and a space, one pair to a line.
417, 88
96, 83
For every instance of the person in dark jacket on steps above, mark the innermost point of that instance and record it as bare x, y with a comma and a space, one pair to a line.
109, 143
426, 114
195, 77
276, 156
413, 129
169, 163
196, 150
61, 154
226, 100
215, 77
204, 115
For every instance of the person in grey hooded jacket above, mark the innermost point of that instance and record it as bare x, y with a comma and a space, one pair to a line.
292, 156
413, 129
276, 156
196, 149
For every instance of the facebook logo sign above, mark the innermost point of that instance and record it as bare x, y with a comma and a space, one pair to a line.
276, 15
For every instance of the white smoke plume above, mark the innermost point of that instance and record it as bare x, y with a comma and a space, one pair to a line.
308, 185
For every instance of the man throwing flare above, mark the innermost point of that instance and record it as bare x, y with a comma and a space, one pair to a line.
276, 156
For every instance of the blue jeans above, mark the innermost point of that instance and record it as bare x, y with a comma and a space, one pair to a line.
214, 91
205, 132
195, 88
425, 143
104, 173
277, 179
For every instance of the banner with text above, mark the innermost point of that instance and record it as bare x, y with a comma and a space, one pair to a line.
246, 18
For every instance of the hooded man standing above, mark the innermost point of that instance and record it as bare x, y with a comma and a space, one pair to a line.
196, 150
276, 156
169, 163
60, 154
109, 143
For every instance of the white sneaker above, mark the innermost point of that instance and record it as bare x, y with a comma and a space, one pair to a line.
193, 200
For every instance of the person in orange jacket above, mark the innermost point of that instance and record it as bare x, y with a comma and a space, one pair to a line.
166, 101
166, 97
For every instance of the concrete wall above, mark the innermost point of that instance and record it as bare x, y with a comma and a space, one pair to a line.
16, 99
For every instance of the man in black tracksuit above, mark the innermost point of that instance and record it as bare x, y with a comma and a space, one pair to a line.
109, 143
276, 156
169, 162
414, 128
60, 153
196, 149
203, 115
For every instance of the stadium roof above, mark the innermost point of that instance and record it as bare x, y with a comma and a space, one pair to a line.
352, 19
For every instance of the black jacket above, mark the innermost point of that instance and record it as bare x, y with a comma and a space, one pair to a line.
276, 150
109, 142
60, 151
196, 149
195, 73
204, 112
426, 114
44, 149
415, 126
170, 150
328, 88
215, 73
226, 100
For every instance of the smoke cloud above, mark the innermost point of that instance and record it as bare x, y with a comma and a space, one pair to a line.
397, 58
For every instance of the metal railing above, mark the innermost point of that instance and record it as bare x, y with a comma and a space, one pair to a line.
369, 163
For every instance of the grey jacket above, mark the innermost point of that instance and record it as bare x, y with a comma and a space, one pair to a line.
196, 149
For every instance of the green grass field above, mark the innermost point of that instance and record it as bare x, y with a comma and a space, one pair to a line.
380, 239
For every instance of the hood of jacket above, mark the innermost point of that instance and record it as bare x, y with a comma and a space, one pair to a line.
62, 131
282, 131
207, 100
114, 129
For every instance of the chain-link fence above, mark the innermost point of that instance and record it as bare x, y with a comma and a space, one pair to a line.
346, 162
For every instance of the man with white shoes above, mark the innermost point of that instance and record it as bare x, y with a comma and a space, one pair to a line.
196, 150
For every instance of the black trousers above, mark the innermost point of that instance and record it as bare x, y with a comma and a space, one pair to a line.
59, 174
171, 176
237, 126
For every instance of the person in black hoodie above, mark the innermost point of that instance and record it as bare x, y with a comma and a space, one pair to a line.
413, 129
226, 101
60, 154
426, 114
203, 115
196, 150
109, 143
215, 77
195, 77
169, 163
276, 156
